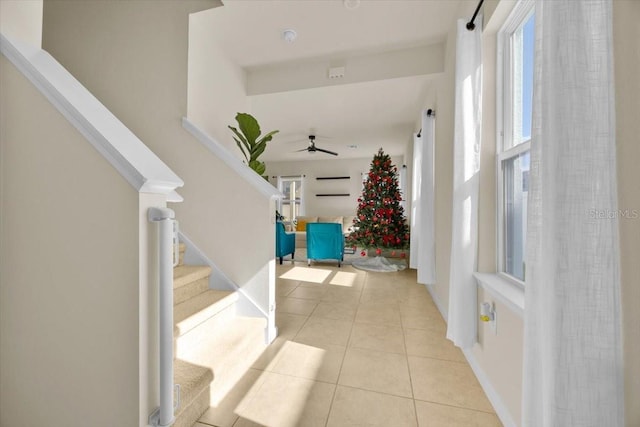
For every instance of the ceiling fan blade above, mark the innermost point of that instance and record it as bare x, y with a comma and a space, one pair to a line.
326, 151
304, 149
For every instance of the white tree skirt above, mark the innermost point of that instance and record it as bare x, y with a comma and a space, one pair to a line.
380, 264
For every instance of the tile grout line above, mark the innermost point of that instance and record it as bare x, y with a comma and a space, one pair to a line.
335, 391
405, 326
448, 405
406, 355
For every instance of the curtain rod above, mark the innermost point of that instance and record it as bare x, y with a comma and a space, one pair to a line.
470, 25
430, 113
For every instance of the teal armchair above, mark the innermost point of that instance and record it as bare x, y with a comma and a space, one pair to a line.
285, 242
325, 241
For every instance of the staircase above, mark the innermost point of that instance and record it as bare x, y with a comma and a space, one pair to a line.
213, 347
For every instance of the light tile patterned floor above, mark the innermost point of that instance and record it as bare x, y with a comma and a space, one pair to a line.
355, 349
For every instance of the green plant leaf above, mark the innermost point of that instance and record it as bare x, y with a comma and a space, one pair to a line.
238, 134
268, 137
249, 127
241, 148
258, 150
257, 166
247, 140
261, 145
242, 138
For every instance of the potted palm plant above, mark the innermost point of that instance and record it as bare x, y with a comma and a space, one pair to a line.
249, 141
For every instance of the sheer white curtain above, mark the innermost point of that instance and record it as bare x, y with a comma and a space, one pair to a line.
462, 320
422, 250
416, 187
573, 356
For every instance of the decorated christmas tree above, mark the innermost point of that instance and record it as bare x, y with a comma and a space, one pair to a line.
380, 222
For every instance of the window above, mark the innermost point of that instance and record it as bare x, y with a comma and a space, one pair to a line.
516, 44
290, 207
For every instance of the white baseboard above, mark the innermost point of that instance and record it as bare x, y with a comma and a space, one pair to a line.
496, 401
441, 308
246, 306
498, 404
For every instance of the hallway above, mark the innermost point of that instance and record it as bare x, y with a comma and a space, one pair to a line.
355, 348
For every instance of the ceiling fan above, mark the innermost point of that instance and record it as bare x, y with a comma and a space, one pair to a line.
312, 147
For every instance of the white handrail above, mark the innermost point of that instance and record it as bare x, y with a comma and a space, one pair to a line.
164, 415
126, 153
256, 181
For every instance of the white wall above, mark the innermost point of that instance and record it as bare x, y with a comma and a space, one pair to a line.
327, 167
68, 272
414, 61
22, 20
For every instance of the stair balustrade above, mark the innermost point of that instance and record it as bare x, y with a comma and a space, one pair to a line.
167, 258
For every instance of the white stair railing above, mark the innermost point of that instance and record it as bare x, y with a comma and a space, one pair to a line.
167, 247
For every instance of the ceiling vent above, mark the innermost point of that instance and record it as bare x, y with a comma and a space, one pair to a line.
336, 72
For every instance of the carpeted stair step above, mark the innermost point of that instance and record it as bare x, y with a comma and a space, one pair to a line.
189, 281
194, 311
182, 249
195, 382
229, 352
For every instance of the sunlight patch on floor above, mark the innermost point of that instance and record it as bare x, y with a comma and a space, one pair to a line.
263, 403
343, 278
304, 274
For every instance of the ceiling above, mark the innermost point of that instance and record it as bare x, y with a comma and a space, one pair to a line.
392, 52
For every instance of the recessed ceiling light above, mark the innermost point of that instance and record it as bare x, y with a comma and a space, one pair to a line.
351, 4
289, 35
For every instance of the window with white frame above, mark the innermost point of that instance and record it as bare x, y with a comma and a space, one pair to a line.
516, 42
291, 205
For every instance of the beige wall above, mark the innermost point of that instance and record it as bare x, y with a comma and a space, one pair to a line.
626, 34
328, 167
216, 85
133, 57
498, 353
22, 20
68, 272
